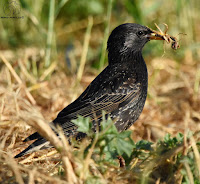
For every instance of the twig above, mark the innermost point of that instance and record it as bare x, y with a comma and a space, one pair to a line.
106, 33
48, 71
5, 158
45, 130
196, 153
85, 48
30, 97
11, 69
26, 73
50, 33
87, 162
189, 173
13, 165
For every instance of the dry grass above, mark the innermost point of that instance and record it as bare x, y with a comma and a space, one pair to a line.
172, 107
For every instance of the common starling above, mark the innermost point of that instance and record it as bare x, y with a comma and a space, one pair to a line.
120, 90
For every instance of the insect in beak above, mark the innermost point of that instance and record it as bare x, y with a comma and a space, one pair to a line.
160, 35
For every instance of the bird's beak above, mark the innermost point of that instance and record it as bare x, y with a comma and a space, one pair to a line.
155, 36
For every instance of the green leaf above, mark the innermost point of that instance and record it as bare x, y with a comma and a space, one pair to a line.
124, 146
122, 143
144, 145
107, 125
83, 123
180, 137
125, 134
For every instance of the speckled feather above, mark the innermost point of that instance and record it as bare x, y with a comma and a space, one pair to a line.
120, 89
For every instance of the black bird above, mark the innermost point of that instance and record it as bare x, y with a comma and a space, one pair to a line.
120, 89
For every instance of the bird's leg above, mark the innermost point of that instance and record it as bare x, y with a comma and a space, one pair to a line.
165, 35
163, 49
159, 29
166, 29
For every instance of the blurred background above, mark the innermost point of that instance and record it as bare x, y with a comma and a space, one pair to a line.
59, 27
51, 50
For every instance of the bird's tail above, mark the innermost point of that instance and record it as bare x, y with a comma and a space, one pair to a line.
39, 144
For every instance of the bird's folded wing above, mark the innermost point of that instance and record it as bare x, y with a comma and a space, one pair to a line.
93, 109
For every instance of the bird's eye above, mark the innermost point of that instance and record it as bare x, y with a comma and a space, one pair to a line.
140, 33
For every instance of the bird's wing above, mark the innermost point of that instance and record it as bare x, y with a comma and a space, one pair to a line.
107, 101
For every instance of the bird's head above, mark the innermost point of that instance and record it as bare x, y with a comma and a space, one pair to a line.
127, 39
